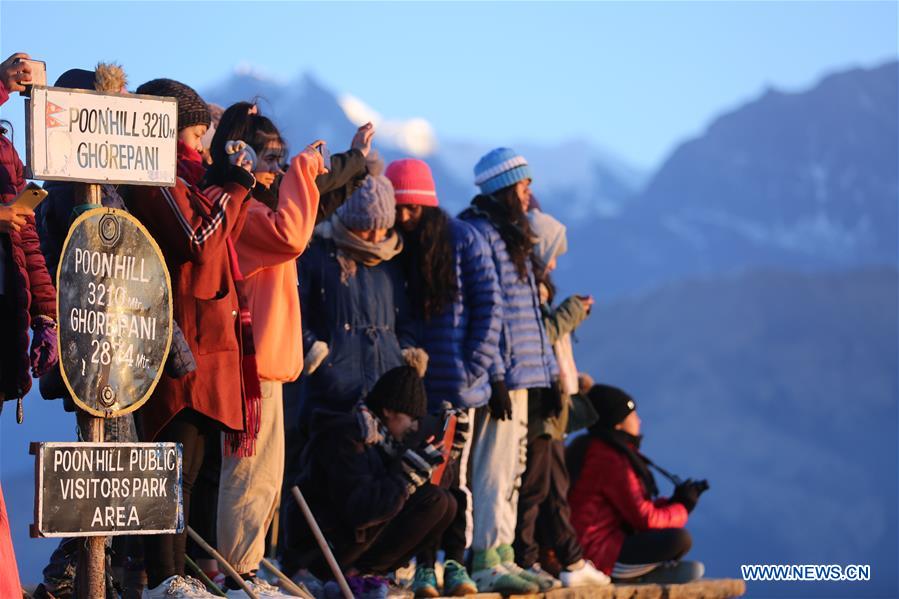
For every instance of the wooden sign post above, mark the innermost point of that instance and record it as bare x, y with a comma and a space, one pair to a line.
114, 305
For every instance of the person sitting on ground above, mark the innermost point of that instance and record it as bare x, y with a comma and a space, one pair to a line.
371, 496
625, 528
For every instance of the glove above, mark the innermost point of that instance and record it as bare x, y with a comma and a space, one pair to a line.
499, 404
686, 494
551, 400
418, 464
461, 434
417, 358
181, 360
44, 350
315, 356
241, 154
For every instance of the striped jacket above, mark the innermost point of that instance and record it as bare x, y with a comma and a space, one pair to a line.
526, 357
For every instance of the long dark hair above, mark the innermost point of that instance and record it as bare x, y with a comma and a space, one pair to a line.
504, 210
238, 123
430, 262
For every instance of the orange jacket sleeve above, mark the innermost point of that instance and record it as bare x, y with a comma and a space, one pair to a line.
270, 237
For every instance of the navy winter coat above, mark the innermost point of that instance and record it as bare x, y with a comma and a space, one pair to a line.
365, 323
527, 358
463, 341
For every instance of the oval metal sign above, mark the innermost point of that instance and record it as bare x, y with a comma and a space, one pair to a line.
114, 305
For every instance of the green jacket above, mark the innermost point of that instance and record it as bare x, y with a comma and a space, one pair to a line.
560, 321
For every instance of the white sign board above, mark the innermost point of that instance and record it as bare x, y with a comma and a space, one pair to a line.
79, 135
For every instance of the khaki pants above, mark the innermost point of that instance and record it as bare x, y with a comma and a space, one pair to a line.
250, 488
498, 461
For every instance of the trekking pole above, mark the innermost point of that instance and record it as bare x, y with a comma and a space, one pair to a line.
322, 543
286, 583
214, 588
221, 560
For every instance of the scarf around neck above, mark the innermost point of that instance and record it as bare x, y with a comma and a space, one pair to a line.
629, 445
352, 250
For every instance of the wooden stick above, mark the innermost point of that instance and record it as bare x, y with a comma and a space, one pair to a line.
322, 543
289, 585
90, 577
202, 576
222, 562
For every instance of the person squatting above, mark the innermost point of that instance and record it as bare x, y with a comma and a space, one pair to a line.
337, 331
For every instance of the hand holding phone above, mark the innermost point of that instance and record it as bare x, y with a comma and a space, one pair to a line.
12, 218
30, 197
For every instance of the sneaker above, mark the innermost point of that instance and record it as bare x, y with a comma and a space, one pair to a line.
178, 587
586, 575
534, 574
456, 581
424, 584
261, 588
491, 576
674, 573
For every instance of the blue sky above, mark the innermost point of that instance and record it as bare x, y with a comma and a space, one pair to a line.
633, 77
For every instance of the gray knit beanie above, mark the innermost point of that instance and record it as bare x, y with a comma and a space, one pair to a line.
551, 240
372, 205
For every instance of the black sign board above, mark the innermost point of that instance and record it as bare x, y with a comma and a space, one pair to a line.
114, 303
102, 489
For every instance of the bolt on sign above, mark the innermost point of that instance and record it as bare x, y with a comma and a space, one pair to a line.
101, 489
114, 302
91, 137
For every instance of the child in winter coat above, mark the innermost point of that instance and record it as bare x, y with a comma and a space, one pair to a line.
525, 361
276, 231
456, 300
544, 486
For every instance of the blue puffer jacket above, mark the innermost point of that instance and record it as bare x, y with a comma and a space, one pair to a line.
463, 341
526, 355
365, 322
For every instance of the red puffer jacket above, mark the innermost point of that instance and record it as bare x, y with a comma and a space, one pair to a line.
31, 291
608, 499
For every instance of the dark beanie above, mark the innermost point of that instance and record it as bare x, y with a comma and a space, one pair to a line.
76, 79
400, 390
611, 403
192, 110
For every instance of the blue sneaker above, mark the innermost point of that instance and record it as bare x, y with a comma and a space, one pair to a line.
424, 584
456, 581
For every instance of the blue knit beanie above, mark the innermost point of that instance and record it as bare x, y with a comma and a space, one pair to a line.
500, 168
372, 205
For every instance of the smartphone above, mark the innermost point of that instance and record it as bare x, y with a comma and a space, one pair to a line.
326, 154
38, 74
31, 196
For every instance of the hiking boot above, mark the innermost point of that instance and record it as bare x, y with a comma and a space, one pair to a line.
456, 581
424, 584
586, 575
674, 573
178, 587
491, 576
535, 574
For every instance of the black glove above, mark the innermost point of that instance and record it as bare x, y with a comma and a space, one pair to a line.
180, 360
418, 464
686, 494
551, 400
463, 426
500, 404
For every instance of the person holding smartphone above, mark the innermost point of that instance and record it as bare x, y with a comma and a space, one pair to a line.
278, 227
27, 298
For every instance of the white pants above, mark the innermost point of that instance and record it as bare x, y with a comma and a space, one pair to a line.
498, 461
250, 488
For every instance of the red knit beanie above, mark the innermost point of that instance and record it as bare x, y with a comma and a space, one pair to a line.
412, 181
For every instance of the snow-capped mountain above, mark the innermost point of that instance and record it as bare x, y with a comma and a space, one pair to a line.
572, 179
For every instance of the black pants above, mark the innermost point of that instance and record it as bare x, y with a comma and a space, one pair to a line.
423, 519
164, 555
544, 516
651, 546
453, 540
205, 498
